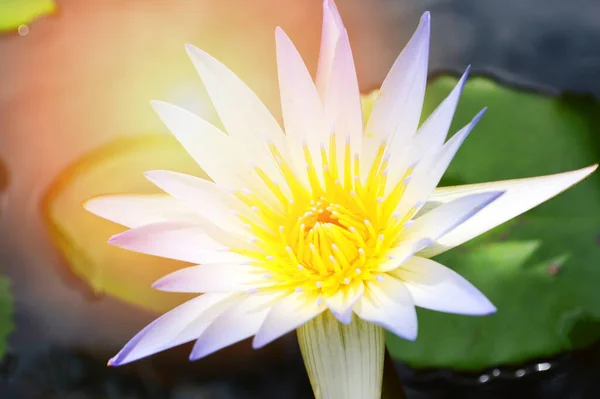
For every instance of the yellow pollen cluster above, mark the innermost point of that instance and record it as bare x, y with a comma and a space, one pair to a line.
332, 234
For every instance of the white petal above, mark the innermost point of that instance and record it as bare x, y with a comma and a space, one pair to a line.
215, 203
245, 117
286, 315
209, 146
432, 134
342, 302
241, 111
436, 287
332, 26
219, 277
521, 195
429, 138
134, 210
235, 324
183, 324
213, 150
342, 104
388, 304
406, 250
397, 110
443, 219
429, 172
435, 224
302, 108
176, 240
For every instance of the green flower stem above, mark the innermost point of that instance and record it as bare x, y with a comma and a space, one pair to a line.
343, 361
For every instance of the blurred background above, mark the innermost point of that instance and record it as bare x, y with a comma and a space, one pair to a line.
76, 78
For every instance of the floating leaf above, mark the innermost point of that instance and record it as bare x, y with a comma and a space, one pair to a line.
14, 13
6, 313
82, 237
540, 270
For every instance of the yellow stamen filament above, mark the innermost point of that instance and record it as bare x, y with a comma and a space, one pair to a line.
332, 234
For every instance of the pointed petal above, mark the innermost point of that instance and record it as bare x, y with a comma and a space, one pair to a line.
388, 304
332, 27
342, 104
286, 315
429, 172
245, 117
436, 287
203, 141
445, 218
215, 203
213, 150
233, 325
182, 324
176, 240
433, 225
429, 138
432, 134
220, 277
521, 195
342, 303
134, 210
397, 110
240, 110
303, 112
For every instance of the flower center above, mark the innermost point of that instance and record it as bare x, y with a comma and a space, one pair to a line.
332, 235
320, 211
331, 247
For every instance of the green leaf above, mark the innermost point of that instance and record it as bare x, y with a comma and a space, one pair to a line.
6, 314
14, 13
542, 269
82, 237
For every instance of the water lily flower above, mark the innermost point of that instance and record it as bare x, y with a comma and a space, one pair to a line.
326, 225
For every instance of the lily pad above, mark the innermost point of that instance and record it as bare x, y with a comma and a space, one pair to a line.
6, 313
541, 270
82, 237
14, 13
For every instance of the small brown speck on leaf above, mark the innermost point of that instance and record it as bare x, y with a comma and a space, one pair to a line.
553, 269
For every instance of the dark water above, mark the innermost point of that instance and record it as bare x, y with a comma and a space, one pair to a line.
64, 374
573, 375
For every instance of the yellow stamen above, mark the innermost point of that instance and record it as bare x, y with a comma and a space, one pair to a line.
331, 234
